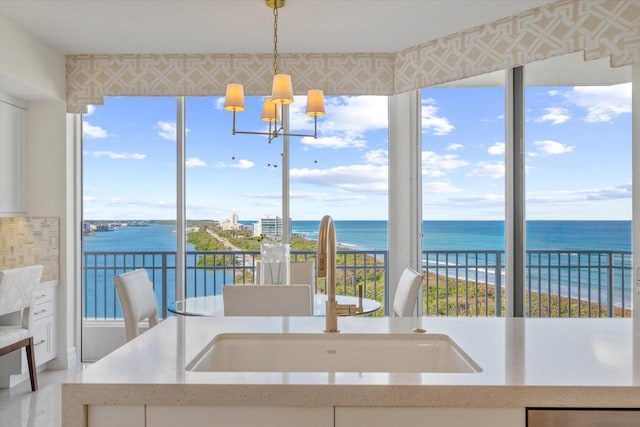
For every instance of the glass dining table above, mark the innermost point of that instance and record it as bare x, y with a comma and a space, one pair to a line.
213, 305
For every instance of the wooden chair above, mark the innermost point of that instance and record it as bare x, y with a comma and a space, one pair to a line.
404, 303
267, 300
137, 299
17, 287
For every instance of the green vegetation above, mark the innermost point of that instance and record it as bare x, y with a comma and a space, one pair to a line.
479, 299
443, 296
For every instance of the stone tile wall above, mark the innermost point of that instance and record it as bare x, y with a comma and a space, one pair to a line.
27, 241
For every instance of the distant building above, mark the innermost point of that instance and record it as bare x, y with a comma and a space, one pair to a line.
268, 225
231, 223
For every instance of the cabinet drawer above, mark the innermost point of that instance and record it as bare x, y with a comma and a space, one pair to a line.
43, 310
43, 339
44, 295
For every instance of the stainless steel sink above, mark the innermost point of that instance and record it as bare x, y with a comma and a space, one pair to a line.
393, 353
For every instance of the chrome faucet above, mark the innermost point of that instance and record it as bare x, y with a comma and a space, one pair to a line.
326, 260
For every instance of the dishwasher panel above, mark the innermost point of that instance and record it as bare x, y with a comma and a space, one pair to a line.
583, 417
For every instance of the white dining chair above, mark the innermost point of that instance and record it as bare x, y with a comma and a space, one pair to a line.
404, 303
17, 287
137, 299
267, 300
300, 273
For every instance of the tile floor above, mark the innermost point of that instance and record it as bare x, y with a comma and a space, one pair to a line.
20, 407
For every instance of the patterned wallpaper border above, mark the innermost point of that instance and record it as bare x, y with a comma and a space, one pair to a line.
599, 28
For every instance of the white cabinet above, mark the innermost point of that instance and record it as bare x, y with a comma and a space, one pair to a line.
12, 136
13, 366
429, 417
201, 416
44, 325
117, 415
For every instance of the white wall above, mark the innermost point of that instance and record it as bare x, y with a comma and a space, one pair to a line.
32, 70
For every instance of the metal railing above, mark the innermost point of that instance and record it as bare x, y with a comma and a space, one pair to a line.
457, 283
207, 272
557, 283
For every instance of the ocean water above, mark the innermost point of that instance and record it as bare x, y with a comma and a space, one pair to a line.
366, 235
483, 235
372, 235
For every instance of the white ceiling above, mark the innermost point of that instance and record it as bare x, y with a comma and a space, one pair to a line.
246, 26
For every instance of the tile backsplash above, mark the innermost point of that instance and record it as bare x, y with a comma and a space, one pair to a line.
27, 241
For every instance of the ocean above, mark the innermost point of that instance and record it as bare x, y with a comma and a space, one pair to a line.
364, 235
372, 235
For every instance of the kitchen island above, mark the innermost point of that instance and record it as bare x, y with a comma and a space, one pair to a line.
524, 363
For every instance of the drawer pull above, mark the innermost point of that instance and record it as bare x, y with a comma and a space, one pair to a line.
44, 310
40, 342
41, 296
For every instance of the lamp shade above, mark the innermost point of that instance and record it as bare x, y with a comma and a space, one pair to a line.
234, 97
269, 110
282, 92
315, 103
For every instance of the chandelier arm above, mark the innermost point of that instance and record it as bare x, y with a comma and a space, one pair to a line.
247, 132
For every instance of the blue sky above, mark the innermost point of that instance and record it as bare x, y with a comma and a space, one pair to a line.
578, 157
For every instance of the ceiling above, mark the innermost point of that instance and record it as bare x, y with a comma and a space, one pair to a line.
246, 26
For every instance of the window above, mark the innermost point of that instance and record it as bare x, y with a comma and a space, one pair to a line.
463, 169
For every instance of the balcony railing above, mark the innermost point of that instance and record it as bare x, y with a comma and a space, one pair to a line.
457, 283
557, 283
207, 272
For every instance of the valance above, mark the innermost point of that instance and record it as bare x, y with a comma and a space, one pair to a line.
599, 28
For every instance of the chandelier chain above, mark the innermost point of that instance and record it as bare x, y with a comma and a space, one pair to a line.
275, 39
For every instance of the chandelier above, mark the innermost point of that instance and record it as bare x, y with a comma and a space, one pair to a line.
281, 94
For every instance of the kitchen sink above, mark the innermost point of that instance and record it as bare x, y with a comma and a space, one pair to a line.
275, 352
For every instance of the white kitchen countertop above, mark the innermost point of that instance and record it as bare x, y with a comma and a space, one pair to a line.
525, 363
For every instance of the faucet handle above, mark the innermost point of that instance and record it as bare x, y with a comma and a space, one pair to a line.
346, 309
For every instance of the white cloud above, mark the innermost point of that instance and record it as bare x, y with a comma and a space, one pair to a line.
242, 164
603, 103
167, 130
379, 157
588, 195
497, 149
491, 170
348, 117
218, 104
555, 115
115, 156
335, 142
94, 132
436, 165
433, 187
115, 201
431, 121
550, 148
479, 200
454, 147
90, 110
357, 178
194, 162
553, 92
326, 197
